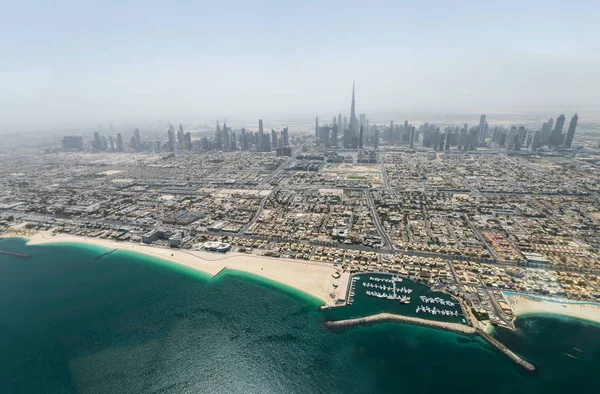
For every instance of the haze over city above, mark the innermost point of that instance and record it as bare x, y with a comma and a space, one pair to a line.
74, 63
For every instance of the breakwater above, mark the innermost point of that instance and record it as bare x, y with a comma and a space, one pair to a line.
14, 254
509, 353
454, 327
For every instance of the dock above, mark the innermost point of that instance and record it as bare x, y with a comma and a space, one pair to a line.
344, 288
24, 256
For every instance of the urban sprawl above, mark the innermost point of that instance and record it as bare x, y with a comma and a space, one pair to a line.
471, 210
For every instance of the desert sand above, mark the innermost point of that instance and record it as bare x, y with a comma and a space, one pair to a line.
311, 278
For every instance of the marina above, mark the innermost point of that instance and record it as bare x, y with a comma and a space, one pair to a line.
434, 311
370, 293
436, 300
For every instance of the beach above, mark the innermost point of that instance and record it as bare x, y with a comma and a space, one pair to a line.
314, 279
522, 305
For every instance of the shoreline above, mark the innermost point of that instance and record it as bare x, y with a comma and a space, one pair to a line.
524, 305
313, 279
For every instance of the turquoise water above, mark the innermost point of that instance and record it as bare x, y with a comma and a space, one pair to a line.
365, 305
127, 323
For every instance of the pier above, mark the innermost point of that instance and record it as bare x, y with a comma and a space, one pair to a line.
24, 256
453, 327
217, 273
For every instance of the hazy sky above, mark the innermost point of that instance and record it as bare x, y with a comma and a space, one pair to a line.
78, 61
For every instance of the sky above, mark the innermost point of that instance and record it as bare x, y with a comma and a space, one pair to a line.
69, 62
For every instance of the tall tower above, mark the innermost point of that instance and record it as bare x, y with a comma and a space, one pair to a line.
171, 136
119, 142
481, 135
180, 137
218, 137
137, 139
317, 127
571, 131
560, 122
353, 120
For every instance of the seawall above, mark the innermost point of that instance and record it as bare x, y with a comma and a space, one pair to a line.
509, 353
454, 327
459, 328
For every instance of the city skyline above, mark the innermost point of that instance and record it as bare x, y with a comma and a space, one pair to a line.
127, 63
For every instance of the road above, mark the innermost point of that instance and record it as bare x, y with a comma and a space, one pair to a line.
381, 157
114, 224
257, 215
382, 233
495, 306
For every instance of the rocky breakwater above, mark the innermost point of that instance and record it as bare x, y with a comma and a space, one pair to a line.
459, 328
509, 353
454, 327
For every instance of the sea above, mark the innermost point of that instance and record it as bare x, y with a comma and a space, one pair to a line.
84, 319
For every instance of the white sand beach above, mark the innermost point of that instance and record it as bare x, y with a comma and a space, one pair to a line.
523, 306
312, 278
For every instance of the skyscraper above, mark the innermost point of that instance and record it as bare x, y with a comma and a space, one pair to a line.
180, 137
334, 135
360, 137
73, 142
187, 139
353, 121
286, 136
218, 137
226, 140
556, 138
119, 142
274, 139
96, 144
317, 127
571, 131
481, 135
171, 143
137, 139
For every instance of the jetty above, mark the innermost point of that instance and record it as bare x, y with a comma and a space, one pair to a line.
25, 256
218, 272
383, 317
509, 353
453, 327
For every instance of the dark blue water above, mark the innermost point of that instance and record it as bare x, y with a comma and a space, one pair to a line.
127, 323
